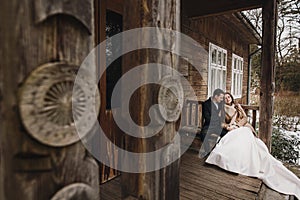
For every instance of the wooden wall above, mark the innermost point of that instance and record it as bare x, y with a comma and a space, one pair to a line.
215, 30
35, 33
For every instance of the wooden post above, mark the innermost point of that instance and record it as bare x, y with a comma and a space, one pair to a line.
36, 33
267, 82
164, 183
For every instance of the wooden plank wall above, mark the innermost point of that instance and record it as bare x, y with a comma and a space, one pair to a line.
215, 30
29, 169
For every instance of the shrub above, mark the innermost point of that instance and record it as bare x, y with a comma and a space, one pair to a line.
285, 148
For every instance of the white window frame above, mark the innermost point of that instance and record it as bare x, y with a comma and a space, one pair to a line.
217, 68
237, 67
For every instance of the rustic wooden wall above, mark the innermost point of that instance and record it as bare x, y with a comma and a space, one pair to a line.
33, 35
162, 184
215, 30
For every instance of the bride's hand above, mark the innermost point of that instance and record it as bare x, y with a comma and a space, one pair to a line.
230, 128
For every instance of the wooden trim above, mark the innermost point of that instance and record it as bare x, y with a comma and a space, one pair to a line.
115, 5
200, 8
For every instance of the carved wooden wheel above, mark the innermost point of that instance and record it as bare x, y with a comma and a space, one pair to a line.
76, 191
170, 96
49, 103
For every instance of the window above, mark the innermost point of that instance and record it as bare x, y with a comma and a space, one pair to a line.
237, 76
114, 71
217, 68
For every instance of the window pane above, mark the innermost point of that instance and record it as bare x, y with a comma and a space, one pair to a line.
241, 65
212, 82
219, 57
235, 63
214, 56
236, 85
233, 83
218, 77
224, 80
241, 83
224, 59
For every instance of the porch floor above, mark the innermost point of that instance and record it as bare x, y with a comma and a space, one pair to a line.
199, 180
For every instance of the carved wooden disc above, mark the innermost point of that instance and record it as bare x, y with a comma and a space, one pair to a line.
76, 191
170, 96
46, 107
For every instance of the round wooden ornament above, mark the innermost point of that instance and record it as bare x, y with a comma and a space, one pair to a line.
49, 103
170, 98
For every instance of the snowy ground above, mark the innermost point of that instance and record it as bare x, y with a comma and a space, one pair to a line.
290, 126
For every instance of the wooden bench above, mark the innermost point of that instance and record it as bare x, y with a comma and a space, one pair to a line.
192, 121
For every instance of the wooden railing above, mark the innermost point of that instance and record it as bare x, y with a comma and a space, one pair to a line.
192, 115
252, 117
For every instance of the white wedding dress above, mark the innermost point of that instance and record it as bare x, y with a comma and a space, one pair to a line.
241, 152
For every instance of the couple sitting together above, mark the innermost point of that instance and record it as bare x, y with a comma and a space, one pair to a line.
239, 150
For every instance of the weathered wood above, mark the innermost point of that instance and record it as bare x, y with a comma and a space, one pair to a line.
26, 45
48, 104
191, 118
234, 37
105, 117
196, 8
153, 13
267, 193
76, 191
81, 10
267, 78
202, 181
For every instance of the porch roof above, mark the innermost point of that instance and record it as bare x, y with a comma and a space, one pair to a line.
197, 8
228, 11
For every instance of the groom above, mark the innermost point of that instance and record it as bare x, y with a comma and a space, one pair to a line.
213, 116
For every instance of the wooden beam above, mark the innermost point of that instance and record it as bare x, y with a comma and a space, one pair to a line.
199, 8
267, 80
62, 33
163, 183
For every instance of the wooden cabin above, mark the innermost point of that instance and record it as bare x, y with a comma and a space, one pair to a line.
45, 41
226, 38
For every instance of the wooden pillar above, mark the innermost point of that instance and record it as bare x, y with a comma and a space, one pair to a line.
35, 33
164, 183
267, 81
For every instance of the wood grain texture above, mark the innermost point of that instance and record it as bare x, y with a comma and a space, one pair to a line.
196, 8
27, 45
79, 9
226, 31
267, 77
153, 13
207, 182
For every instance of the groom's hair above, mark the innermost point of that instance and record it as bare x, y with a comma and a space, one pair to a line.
217, 92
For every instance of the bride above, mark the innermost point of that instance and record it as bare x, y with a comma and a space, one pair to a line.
241, 152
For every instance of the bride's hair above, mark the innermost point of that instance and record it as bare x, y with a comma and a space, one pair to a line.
232, 99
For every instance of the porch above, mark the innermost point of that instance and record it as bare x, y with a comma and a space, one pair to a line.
203, 181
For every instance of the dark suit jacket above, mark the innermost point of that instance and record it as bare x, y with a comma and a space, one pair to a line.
212, 119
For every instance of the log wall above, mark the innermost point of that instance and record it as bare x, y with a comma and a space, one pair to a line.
215, 30
36, 33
